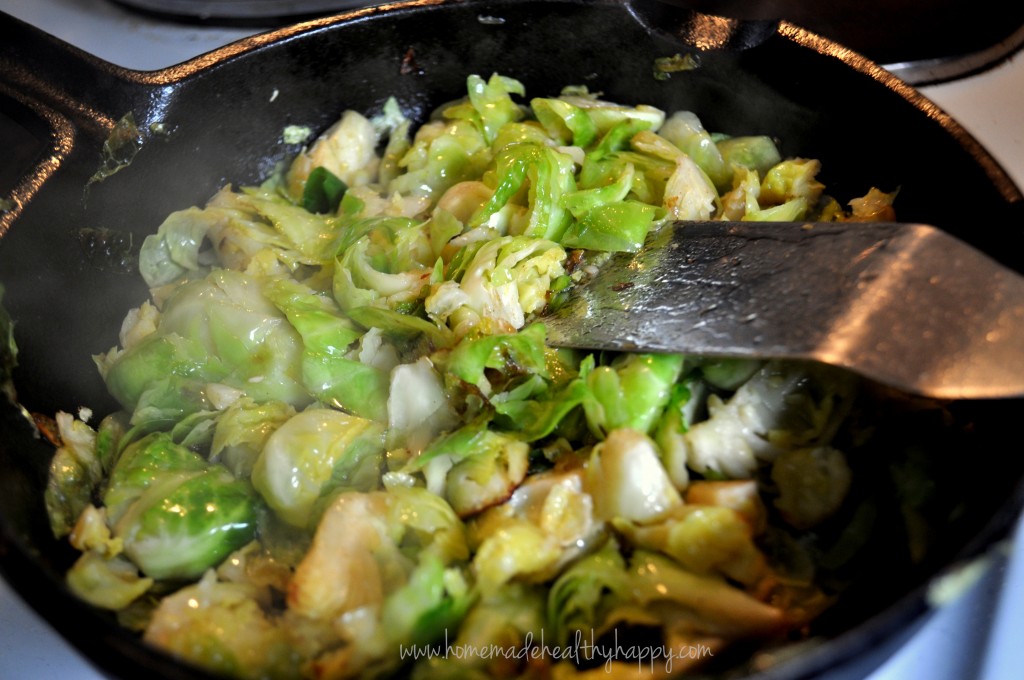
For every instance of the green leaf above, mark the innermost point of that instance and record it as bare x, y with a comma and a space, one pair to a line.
583, 593
401, 327
564, 121
173, 251
323, 191
534, 419
348, 384
548, 174
515, 353
613, 227
491, 101
632, 392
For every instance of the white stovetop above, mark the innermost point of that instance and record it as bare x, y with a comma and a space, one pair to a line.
974, 635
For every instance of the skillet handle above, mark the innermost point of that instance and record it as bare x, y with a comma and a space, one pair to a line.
55, 73
51, 94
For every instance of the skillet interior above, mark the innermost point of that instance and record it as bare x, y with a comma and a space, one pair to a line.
224, 115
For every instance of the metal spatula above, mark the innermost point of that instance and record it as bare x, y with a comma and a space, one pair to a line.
904, 304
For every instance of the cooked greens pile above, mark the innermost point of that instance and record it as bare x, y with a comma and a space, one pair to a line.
345, 450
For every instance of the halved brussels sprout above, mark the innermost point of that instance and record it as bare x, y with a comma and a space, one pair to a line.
312, 453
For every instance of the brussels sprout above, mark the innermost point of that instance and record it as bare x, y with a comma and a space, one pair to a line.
76, 473
704, 539
231, 319
92, 533
689, 193
348, 384
876, 205
580, 598
564, 121
791, 211
812, 484
742, 199
195, 430
784, 406
757, 153
431, 603
506, 279
220, 329
442, 155
522, 132
685, 130
328, 370
138, 324
106, 582
357, 556
244, 239
741, 495
155, 360
492, 638
242, 431
511, 354
222, 627
174, 403
607, 115
682, 410
174, 250
403, 330
516, 548
308, 238
313, 452
389, 266
627, 480
393, 125
613, 227
582, 201
606, 162
376, 351
142, 464
424, 521
253, 230
347, 149
491, 104
787, 192
536, 418
658, 584
185, 523
418, 407
650, 143
631, 392
794, 178
483, 466
548, 522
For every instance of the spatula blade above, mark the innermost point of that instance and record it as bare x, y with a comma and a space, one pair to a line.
907, 305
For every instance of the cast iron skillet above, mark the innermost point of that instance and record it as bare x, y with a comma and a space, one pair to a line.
67, 244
